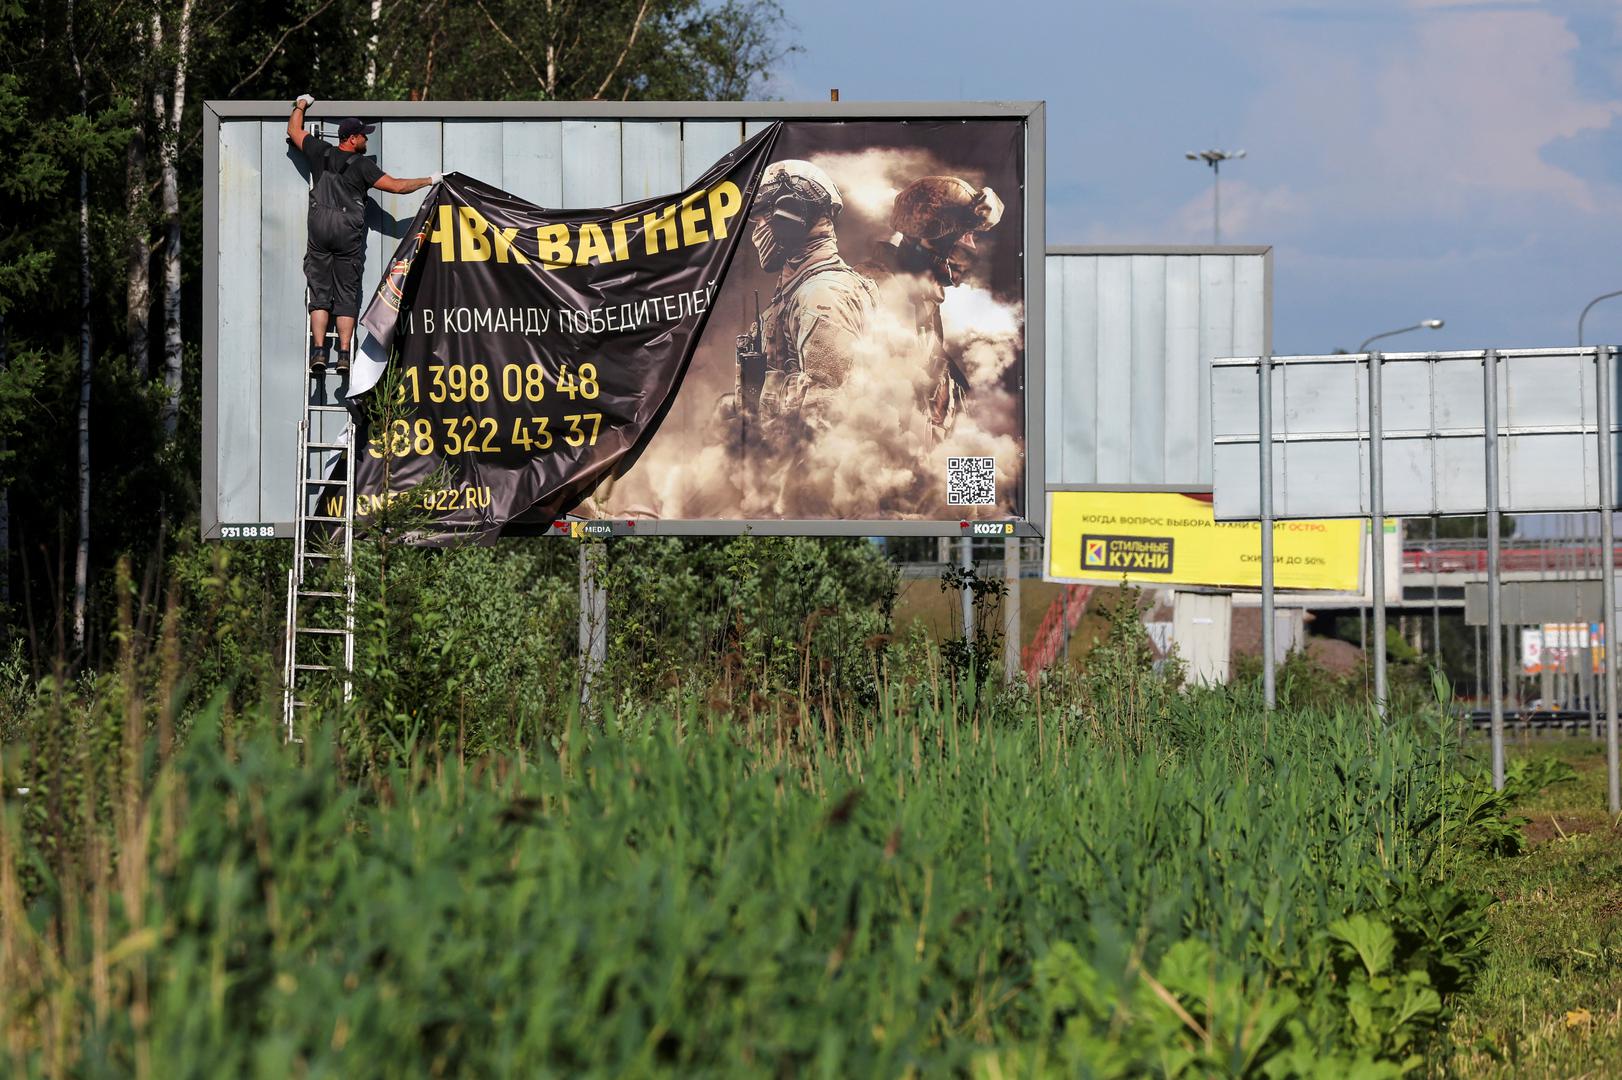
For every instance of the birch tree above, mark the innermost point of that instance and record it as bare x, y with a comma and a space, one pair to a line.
81, 557
173, 347
138, 252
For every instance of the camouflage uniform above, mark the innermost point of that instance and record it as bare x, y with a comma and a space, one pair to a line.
817, 316
799, 353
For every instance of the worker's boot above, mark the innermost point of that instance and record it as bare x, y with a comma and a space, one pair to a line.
318, 360
342, 366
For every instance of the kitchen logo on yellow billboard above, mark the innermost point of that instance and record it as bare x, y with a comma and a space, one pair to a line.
1129, 554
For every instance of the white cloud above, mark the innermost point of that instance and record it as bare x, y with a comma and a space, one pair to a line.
1480, 97
1450, 124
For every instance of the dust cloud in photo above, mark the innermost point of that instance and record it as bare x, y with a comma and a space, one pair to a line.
869, 442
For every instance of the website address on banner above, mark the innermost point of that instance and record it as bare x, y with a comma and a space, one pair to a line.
535, 321
431, 500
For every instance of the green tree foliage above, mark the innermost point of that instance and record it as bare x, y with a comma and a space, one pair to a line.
564, 50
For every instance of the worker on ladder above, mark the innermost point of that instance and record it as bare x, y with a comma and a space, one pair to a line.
340, 178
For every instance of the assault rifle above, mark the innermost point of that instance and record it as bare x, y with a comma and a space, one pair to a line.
751, 372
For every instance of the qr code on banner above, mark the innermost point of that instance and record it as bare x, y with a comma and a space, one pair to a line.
971, 481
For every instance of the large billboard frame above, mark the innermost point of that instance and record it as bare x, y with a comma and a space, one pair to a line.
1192, 484
1031, 113
1430, 421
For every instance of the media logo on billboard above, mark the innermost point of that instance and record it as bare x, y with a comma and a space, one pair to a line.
1127, 554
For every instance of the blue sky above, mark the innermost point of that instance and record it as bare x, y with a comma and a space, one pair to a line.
1407, 159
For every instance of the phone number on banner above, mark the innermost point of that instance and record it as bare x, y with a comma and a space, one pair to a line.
454, 435
441, 384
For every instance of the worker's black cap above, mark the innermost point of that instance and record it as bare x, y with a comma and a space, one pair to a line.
350, 126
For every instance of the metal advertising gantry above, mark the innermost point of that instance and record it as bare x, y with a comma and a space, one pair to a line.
1441, 433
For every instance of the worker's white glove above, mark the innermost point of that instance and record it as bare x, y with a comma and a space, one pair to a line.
436, 177
304, 101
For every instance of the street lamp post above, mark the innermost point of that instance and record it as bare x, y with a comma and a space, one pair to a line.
1215, 158
1604, 360
1584, 315
1376, 528
1423, 324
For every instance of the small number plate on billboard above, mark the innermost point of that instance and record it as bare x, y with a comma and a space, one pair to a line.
258, 531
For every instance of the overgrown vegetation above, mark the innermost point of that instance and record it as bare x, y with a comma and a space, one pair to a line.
1549, 1000
784, 843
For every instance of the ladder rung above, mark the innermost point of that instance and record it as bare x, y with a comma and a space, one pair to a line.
326, 446
318, 630
313, 667
322, 517
320, 555
324, 480
327, 408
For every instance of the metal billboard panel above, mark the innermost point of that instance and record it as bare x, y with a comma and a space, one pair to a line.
1131, 333
1537, 601
1433, 407
553, 154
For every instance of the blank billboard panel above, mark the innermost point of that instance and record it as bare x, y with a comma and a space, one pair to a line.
1434, 436
1131, 333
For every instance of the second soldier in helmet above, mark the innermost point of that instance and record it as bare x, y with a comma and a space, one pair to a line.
934, 221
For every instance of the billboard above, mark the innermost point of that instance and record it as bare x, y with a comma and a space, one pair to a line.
1563, 647
1131, 333
1433, 419
882, 375
1158, 538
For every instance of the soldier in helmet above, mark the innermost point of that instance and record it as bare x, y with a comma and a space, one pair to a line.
935, 220
800, 350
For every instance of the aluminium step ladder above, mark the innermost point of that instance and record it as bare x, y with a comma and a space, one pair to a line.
310, 600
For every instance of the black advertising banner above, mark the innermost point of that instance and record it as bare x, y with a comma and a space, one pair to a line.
829, 326
535, 351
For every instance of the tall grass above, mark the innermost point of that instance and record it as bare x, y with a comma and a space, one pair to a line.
935, 881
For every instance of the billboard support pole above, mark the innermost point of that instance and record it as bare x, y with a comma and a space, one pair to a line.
1264, 455
1064, 601
1010, 609
1436, 600
1489, 390
593, 616
1377, 526
1603, 357
965, 554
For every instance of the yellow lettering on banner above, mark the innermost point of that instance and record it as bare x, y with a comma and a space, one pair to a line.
661, 223
622, 243
444, 235
593, 245
692, 220
504, 245
552, 242
725, 202
475, 242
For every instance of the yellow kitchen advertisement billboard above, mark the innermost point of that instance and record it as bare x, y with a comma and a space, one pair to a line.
1170, 539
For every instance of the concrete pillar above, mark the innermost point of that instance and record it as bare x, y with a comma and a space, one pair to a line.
1202, 628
